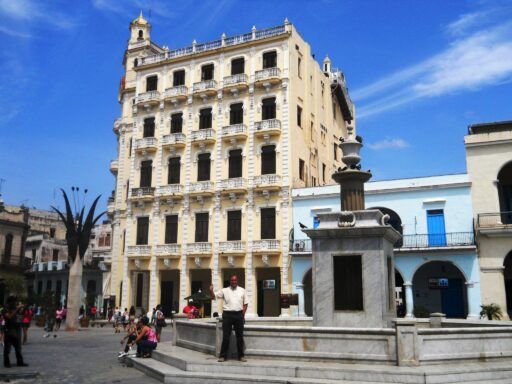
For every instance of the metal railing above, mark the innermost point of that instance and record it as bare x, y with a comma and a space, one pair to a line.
267, 73
143, 191
300, 245
495, 219
179, 90
267, 124
204, 85
438, 240
235, 79
235, 129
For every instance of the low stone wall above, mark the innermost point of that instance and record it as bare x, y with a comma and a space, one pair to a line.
407, 344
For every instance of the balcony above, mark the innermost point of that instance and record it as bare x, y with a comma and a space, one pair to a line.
111, 204
148, 98
238, 184
233, 246
175, 94
147, 144
300, 246
117, 124
168, 250
203, 136
173, 191
114, 166
267, 77
143, 193
174, 140
234, 132
268, 182
202, 188
436, 240
199, 248
269, 127
495, 224
235, 83
138, 250
205, 88
266, 246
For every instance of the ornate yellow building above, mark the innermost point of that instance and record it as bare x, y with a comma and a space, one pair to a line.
212, 138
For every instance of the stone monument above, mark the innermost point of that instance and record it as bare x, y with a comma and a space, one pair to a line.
353, 265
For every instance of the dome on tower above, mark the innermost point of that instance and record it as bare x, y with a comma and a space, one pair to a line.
140, 20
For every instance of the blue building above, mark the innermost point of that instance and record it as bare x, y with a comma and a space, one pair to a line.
436, 264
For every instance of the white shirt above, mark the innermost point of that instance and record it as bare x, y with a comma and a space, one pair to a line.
234, 299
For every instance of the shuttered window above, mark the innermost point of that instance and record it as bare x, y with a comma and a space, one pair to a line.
171, 229
201, 227
236, 114
173, 176
176, 122
205, 118
146, 171
268, 109
235, 163
142, 230
268, 160
268, 223
234, 225
149, 127
203, 167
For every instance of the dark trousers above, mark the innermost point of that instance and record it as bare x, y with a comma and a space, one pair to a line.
131, 338
14, 341
145, 347
232, 319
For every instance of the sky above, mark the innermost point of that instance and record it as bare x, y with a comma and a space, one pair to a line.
419, 72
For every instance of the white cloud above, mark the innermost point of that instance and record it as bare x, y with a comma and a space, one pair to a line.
465, 22
387, 143
481, 59
13, 33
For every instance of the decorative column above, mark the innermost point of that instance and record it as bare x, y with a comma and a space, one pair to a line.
409, 300
299, 288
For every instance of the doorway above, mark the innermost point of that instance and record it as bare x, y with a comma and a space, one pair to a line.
269, 290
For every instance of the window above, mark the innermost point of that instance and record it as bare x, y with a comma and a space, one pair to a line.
178, 78
34, 254
151, 83
127, 188
299, 116
207, 72
313, 181
299, 64
348, 283
238, 66
201, 227
234, 225
52, 233
322, 88
135, 62
268, 109
107, 240
235, 163
335, 150
316, 222
149, 127
8, 247
268, 223
171, 229
142, 230
205, 118
140, 35
39, 287
173, 170
236, 114
203, 167
301, 169
268, 160
334, 110
48, 285
55, 255
130, 149
176, 122
323, 172
270, 59
146, 171
312, 131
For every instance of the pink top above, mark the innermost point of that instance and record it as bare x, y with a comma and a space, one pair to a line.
27, 316
152, 335
59, 313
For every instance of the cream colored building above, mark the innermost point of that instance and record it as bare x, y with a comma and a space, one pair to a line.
489, 162
212, 137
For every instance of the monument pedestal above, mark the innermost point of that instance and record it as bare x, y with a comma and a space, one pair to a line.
353, 270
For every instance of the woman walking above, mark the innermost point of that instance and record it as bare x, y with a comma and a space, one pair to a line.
25, 322
159, 321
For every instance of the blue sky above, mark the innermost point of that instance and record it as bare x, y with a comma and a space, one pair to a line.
419, 73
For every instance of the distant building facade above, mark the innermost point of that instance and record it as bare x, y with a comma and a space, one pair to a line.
436, 263
489, 164
212, 138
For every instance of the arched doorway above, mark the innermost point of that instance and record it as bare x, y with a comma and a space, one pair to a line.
399, 294
439, 286
507, 275
308, 293
505, 193
394, 220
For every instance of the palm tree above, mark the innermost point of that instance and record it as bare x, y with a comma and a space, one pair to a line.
78, 233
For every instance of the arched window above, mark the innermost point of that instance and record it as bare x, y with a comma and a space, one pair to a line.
505, 193
141, 34
8, 247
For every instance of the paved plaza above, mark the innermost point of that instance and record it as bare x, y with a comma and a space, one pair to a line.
87, 356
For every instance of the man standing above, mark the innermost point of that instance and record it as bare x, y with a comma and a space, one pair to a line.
11, 332
233, 312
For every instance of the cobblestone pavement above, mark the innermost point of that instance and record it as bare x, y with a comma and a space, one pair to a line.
87, 356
